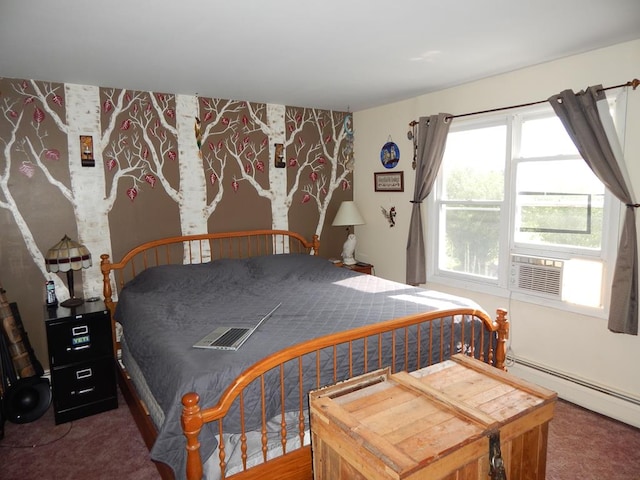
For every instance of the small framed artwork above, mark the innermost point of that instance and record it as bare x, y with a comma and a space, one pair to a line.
388, 181
390, 155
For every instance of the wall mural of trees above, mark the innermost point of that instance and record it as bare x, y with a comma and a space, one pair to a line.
165, 164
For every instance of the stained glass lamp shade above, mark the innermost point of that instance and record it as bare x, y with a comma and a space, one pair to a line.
68, 256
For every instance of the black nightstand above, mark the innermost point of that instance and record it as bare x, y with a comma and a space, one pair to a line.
81, 360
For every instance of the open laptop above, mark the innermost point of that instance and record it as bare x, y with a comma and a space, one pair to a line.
230, 338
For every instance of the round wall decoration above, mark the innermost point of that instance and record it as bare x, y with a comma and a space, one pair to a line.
390, 155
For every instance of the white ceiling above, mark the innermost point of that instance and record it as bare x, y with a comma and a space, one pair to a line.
334, 54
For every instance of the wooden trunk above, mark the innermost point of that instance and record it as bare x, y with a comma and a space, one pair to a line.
434, 423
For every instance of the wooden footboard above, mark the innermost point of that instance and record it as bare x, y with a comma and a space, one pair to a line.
296, 463
410, 342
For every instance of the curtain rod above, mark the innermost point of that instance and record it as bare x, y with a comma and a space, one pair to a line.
633, 83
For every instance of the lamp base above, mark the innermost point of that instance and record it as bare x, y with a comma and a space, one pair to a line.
72, 302
348, 261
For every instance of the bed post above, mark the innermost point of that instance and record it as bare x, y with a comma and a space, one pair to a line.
503, 335
191, 425
106, 282
316, 245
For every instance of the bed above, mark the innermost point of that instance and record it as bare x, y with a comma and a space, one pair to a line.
219, 414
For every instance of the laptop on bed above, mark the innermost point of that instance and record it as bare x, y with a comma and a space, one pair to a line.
230, 338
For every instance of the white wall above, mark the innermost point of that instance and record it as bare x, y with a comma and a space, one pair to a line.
577, 345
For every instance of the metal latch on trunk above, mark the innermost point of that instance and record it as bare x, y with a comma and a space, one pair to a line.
496, 464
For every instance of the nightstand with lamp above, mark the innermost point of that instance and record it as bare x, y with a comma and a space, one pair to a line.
80, 343
348, 216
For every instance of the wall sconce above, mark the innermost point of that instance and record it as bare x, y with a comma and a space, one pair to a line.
86, 151
278, 157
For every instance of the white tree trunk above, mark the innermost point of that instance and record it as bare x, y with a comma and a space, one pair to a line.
87, 183
193, 188
277, 176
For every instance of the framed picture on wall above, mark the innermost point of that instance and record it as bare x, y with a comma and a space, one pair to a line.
388, 181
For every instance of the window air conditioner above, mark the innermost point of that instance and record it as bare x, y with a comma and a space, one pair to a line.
537, 275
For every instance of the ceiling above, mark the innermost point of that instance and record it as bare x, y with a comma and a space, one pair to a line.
333, 54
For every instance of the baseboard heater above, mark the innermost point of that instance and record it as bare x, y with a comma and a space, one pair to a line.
575, 380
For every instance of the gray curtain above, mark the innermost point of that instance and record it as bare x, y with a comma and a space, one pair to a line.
585, 116
432, 136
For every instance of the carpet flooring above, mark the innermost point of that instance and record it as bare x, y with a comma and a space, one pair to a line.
582, 445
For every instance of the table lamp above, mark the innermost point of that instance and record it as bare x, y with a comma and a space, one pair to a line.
348, 215
67, 256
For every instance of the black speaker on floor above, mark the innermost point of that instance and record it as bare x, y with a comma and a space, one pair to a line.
27, 399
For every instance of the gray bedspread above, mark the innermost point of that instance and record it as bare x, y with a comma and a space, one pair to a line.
166, 309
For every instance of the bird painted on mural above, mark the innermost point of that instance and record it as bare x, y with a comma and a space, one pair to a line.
390, 215
198, 132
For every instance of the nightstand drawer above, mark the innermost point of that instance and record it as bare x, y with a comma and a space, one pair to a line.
82, 338
83, 383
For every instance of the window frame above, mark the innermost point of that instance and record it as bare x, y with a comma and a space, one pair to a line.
500, 287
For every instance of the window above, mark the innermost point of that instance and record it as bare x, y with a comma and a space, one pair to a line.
518, 211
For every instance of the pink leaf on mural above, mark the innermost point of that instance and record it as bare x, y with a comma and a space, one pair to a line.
207, 116
38, 115
264, 142
145, 153
213, 178
29, 100
52, 154
150, 179
235, 185
245, 120
135, 109
212, 147
225, 121
245, 140
323, 191
322, 160
313, 176
248, 168
250, 154
321, 122
220, 144
293, 162
292, 127
111, 163
298, 118
235, 137
160, 96
172, 155
345, 185
327, 139
126, 124
127, 97
306, 198
13, 114
132, 193
107, 106
24, 85
260, 166
27, 169
57, 99
171, 113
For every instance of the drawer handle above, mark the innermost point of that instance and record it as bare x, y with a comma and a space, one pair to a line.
86, 373
81, 347
80, 330
86, 390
